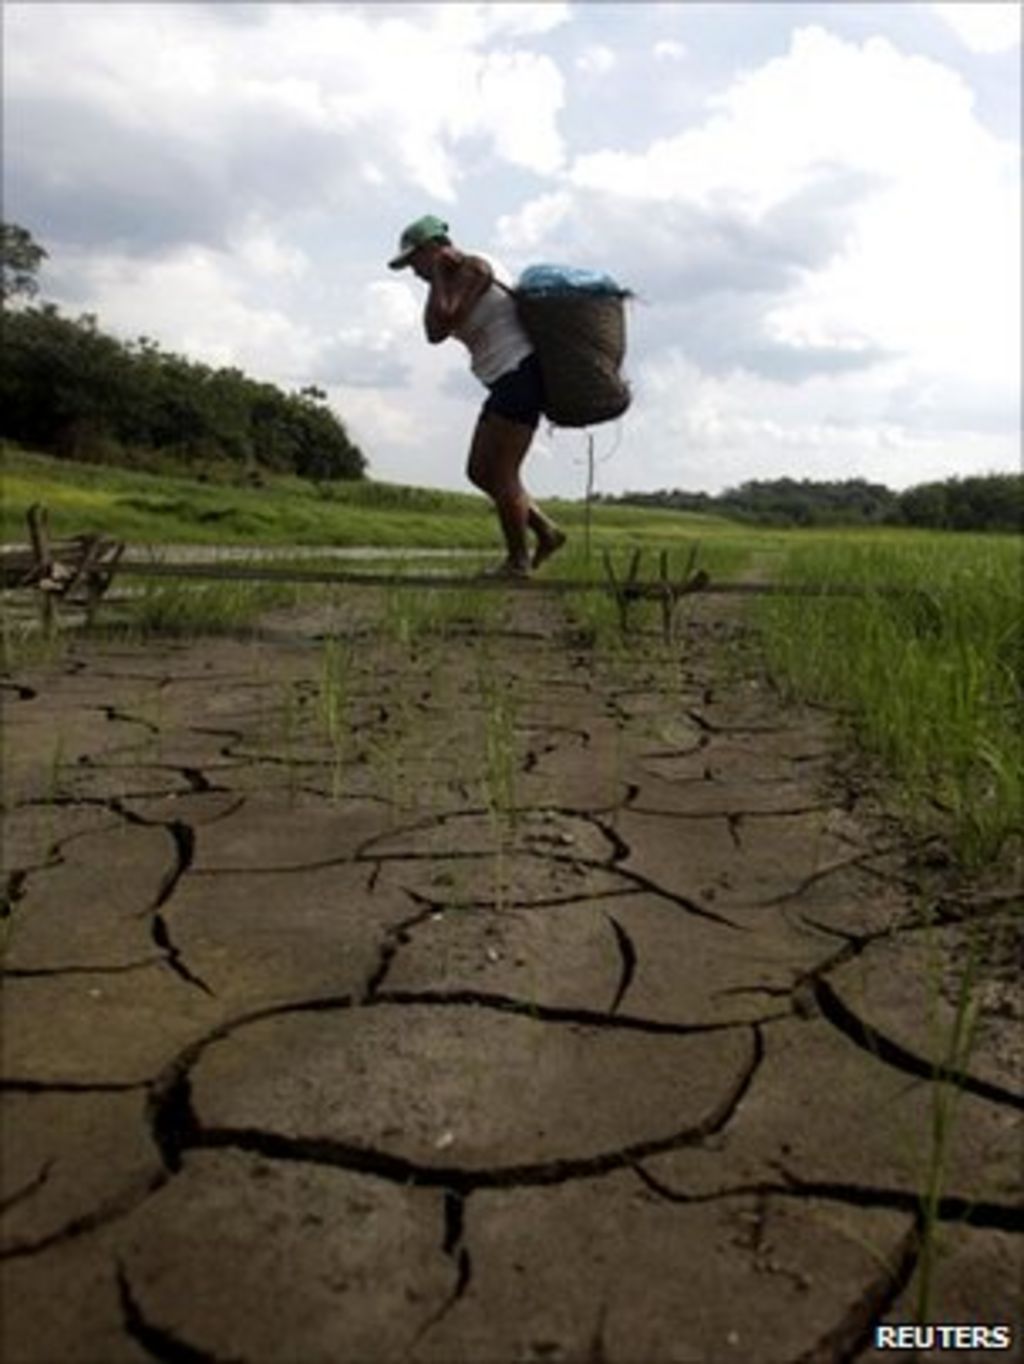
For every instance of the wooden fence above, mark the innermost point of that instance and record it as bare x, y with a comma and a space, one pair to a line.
79, 570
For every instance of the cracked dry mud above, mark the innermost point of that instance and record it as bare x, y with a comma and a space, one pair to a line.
321, 1059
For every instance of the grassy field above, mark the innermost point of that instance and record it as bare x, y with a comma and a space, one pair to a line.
931, 681
291, 511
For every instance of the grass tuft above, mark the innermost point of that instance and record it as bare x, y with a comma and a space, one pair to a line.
933, 680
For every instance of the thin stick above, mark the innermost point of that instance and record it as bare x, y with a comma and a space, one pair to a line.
590, 495
668, 599
37, 528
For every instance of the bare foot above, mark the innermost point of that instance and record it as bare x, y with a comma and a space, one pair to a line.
548, 545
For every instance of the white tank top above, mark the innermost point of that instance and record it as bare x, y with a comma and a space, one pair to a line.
494, 336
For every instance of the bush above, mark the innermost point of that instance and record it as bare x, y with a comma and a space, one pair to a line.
69, 389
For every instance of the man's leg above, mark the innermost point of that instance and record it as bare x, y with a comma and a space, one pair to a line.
498, 449
549, 536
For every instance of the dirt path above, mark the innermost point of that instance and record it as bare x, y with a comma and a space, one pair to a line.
574, 1012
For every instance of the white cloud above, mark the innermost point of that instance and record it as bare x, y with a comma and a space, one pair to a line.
706, 432
868, 257
933, 270
259, 249
760, 144
480, 23
392, 305
371, 349
983, 26
668, 50
518, 98
200, 303
927, 260
317, 99
374, 419
194, 301
596, 60
534, 222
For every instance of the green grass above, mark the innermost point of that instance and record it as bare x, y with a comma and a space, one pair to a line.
196, 608
415, 613
725, 555
146, 508
933, 680
165, 509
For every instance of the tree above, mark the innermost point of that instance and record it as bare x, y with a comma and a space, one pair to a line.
68, 387
925, 504
20, 259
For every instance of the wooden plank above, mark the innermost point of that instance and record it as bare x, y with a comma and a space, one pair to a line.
89, 553
104, 574
268, 573
233, 572
14, 563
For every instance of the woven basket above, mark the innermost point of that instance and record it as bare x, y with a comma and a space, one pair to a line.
580, 340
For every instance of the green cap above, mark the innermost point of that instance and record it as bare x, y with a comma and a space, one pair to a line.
417, 234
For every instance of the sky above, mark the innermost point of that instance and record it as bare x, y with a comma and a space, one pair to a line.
816, 205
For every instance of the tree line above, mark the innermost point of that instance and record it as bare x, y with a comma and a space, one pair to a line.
987, 502
70, 389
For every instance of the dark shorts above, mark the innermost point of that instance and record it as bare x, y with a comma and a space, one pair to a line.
518, 395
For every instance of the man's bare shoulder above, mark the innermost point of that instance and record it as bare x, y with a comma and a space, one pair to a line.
476, 265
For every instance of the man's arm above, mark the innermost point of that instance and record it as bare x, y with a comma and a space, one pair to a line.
456, 287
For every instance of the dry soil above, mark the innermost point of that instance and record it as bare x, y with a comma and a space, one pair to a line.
565, 1009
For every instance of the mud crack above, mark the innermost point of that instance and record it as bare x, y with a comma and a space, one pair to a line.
453, 1247
22, 692
108, 1211
172, 1121
13, 891
627, 954
395, 938
819, 874
674, 897
32, 972
159, 1343
176, 1129
954, 1208
852, 1333
883, 1048
182, 836
198, 780
27, 1190
172, 954
115, 714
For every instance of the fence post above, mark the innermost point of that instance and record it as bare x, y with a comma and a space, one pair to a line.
38, 528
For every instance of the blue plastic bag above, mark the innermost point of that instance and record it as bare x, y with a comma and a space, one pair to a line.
559, 279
